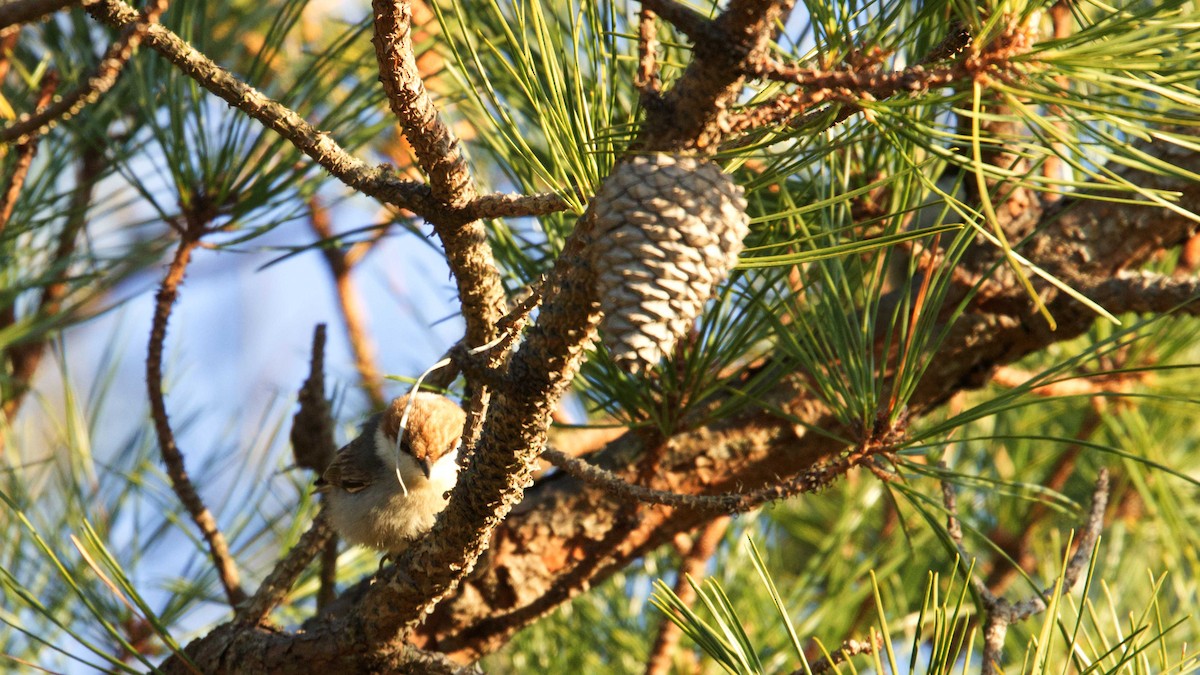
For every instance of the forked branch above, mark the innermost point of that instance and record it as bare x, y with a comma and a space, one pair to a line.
1001, 613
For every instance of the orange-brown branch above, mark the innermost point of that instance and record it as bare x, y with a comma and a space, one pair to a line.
168, 292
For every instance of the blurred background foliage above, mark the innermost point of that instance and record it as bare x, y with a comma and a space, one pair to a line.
101, 569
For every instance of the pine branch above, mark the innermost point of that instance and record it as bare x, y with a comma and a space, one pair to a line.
693, 114
437, 148
440, 155
755, 449
279, 582
168, 292
853, 83
727, 503
1002, 613
1146, 292
747, 451
25, 151
350, 304
26, 11
103, 77
24, 359
375, 182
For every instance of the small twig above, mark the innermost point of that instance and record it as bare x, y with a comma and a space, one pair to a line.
103, 77
502, 205
486, 361
691, 566
25, 11
279, 582
849, 648
647, 80
730, 502
509, 327
686, 20
8, 42
350, 304
25, 358
327, 591
1001, 613
172, 457
312, 426
849, 85
25, 151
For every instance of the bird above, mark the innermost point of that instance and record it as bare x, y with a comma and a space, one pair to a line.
385, 488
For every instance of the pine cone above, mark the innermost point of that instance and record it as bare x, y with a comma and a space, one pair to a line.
668, 229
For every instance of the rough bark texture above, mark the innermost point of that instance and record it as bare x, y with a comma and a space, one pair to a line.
694, 113
566, 536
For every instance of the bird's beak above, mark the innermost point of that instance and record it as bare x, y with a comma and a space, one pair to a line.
426, 466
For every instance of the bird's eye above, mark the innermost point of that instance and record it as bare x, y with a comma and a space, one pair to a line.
353, 486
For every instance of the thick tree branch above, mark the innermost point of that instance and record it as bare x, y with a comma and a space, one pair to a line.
686, 20
435, 145
693, 114
1147, 292
495, 476
441, 157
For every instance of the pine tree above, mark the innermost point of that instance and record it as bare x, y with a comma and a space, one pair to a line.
919, 278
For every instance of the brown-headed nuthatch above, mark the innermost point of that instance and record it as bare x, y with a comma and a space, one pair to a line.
385, 488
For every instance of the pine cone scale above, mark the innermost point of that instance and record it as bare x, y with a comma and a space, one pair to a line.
668, 231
